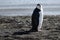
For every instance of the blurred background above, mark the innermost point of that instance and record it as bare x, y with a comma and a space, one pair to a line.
26, 7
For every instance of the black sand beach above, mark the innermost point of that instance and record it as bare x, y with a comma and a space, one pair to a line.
11, 24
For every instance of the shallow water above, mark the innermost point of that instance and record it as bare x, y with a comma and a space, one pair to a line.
17, 10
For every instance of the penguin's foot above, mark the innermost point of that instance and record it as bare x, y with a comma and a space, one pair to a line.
33, 30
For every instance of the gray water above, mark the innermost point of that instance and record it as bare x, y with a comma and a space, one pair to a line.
23, 10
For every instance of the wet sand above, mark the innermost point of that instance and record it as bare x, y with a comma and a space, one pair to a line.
11, 24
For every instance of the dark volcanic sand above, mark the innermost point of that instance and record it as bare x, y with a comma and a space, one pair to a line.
9, 25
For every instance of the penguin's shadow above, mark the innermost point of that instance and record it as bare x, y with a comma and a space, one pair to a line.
21, 33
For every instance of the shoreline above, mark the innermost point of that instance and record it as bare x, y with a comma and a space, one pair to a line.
27, 15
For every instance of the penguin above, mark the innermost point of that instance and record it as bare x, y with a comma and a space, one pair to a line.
37, 18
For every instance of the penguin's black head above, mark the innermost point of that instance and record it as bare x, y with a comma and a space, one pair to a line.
38, 6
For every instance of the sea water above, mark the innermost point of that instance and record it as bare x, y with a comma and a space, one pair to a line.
27, 9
